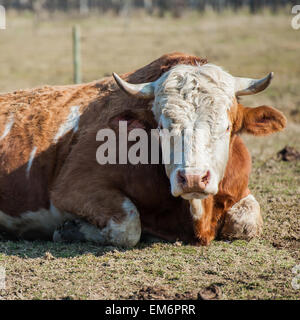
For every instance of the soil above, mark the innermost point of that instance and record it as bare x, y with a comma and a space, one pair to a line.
288, 154
211, 292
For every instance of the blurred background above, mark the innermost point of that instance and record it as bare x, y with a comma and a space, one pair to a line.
247, 37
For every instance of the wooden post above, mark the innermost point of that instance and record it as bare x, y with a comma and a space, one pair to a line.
76, 54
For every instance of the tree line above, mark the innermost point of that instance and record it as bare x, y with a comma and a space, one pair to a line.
160, 7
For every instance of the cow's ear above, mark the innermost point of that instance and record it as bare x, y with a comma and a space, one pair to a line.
260, 121
140, 119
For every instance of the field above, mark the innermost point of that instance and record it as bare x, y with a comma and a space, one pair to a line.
245, 45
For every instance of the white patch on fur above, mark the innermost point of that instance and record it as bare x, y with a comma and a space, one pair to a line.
243, 220
71, 123
196, 209
44, 221
8, 127
196, 99
124, 234
30, 161
128, 232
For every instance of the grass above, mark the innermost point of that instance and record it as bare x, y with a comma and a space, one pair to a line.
246, 46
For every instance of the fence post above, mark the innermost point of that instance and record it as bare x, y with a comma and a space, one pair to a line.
76, 54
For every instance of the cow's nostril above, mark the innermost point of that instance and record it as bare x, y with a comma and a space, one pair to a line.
181, 178
205, 178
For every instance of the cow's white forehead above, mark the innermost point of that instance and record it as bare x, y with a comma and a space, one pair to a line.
185, 92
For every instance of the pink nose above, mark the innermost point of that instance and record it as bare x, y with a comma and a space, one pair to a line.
192, 182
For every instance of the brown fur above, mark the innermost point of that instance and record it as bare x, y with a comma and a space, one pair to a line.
38, 114
79, 185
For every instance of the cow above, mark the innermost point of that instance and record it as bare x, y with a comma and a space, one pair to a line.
52, 187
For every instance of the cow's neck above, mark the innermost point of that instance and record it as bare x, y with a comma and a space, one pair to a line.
208, 213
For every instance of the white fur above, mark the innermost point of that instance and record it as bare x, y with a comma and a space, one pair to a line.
125, 234
243, 220
195, 100
44, 221
30, 161
70, 124
196, 209
8, 127
128, 232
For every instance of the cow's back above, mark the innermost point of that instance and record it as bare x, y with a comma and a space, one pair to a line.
36, 129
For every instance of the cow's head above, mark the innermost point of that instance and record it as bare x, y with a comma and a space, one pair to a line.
199, 105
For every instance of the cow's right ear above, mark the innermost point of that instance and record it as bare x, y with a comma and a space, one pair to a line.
259, 121
137, 119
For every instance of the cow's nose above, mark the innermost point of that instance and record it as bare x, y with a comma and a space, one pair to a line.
192, 182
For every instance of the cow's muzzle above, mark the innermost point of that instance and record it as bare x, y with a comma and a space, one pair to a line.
191, 182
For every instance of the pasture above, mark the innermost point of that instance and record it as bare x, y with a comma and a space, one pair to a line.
250, 46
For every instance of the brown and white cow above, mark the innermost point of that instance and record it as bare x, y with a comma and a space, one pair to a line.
49, 175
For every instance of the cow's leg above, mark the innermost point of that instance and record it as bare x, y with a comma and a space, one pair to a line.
125, 231
243, 220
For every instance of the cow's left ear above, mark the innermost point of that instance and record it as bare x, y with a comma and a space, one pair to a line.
260, 121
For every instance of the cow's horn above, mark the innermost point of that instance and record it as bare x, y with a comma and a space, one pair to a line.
141, 90
246, 86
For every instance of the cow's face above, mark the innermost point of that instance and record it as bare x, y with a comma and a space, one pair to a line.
192, 105
197, 106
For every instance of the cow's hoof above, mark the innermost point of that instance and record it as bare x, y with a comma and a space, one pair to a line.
69, 231
243, 220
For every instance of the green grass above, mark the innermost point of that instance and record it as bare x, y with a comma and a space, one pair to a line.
246, 46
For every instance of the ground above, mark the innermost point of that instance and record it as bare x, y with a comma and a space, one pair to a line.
244, 45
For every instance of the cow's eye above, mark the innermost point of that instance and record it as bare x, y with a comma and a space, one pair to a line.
228, 128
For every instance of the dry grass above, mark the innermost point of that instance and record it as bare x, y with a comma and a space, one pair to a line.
244, 45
